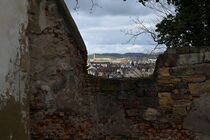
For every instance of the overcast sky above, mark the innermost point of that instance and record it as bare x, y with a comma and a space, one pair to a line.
102, 27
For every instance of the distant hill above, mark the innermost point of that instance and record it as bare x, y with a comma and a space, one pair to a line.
126, 55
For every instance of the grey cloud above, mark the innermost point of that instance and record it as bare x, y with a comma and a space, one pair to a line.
110, 7
87, 21
113, 37
101, 30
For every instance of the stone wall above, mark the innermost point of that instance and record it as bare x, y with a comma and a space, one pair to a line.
184, 87
123, 106
66, 103
173, 104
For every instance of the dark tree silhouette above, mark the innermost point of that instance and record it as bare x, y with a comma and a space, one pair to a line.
189, 27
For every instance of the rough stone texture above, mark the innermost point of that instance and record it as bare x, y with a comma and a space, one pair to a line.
181, 107
169, 80
59, 106
198, 89
188, 81
151, 114
194, 78
190, 58
165, 99
164, 72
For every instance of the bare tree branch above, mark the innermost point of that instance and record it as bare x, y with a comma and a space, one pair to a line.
77, 5
162, 8
139, 29
94, 4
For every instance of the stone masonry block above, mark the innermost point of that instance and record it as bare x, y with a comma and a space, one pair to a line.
190, 59
181, 107
198, 89
165, 99
164, 72
151, 114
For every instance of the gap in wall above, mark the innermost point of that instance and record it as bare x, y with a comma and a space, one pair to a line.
109, 53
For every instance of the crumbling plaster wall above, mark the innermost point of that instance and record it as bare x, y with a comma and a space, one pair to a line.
57, 72
13, 71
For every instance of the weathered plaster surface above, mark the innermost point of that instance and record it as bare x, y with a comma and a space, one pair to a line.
57, 70
13, 16
13, 21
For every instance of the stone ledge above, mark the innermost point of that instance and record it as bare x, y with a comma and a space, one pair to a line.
187, 50
190, 59
197, 69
